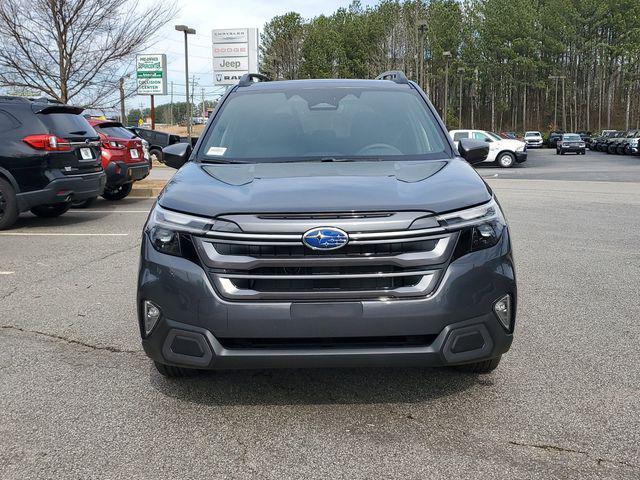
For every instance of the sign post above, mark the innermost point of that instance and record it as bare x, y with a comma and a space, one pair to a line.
151, 74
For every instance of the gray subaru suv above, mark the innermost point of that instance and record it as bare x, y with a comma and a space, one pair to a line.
325, 223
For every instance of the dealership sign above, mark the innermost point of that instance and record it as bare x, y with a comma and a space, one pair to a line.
151, 74
235, 52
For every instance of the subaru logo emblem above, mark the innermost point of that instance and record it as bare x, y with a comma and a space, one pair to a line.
325, 238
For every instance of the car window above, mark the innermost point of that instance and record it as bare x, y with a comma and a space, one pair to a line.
571, 137
324, 122
116, 132
482, 136
460, 135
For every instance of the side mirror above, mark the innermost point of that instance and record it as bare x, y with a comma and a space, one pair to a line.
488, 140
473, 151
177, 154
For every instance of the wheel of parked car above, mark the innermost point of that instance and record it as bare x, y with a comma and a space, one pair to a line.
8, 205
83, 203
156, 154
485, 366
52, 210
117, 193
171, 371
506, 159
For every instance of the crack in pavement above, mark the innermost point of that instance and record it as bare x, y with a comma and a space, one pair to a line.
555, 448
70, 340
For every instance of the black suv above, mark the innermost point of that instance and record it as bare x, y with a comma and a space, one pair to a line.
157, 141
49, 157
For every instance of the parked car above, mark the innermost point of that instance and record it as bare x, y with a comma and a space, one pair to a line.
611, 143
533, 139
124, 160
599, 142
506, 152
553, 138
623, 144
586, 137
49, 157
508, 135
361, 239
632, 146
157, 140
570, 142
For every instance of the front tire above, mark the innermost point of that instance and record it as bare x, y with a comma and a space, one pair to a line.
51, 211
117, 193
506, 160
485, 366
169, 371
8, 205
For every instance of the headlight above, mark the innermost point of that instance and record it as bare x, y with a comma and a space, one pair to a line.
633, 142
481, 227
170, 232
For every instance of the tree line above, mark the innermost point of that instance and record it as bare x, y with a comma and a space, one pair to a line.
495, 64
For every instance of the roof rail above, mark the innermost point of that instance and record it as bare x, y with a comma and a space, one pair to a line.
395, 76
249, 79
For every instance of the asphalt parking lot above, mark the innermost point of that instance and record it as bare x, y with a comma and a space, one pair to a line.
78, 398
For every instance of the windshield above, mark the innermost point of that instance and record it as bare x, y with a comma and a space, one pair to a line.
495, 136
67, 125
323, 123
532, 134
572, 137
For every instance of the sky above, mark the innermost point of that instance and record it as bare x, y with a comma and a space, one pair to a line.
205, 15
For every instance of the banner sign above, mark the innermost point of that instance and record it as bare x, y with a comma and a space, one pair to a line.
151, 74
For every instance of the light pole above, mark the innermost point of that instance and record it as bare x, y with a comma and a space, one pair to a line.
461, 73
446, 54
187, 31
422, 28
555, 105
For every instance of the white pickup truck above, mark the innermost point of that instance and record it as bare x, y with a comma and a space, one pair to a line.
506, 152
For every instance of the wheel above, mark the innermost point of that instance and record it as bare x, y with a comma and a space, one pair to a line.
8, 205
506, 160
117, 193
156, 154
51, 211
170, 371
484, 366
83, 203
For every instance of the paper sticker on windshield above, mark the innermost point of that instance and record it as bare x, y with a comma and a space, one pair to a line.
216, 151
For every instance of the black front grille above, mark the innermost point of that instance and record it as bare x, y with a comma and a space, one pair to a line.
325, 284
355, 250
328, 342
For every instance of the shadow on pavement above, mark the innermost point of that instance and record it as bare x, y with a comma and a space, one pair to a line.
321, 386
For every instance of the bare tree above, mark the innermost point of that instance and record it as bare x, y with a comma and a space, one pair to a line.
74, 49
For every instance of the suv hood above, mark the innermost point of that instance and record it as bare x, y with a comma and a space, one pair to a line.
215, 189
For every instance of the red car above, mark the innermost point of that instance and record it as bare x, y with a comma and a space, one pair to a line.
123, 159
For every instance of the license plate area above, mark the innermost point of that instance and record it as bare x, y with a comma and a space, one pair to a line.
134, 153
86, 153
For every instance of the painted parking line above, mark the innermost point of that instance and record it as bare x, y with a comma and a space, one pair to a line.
110, 211
7, 273
54, 234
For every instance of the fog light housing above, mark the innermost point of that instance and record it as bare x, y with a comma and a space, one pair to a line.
151, 316
502, 310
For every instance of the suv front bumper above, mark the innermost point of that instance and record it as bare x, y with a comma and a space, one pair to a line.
64, 189
197, 326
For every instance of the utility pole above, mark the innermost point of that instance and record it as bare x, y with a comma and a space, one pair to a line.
193, 90
122, 117
203, 109
555, 105
461, 73
422, 28
171, 106
564, 110
187, 31
447, 55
